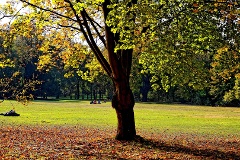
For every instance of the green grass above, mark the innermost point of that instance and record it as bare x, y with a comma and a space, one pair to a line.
188, 119
59, 113
156, 118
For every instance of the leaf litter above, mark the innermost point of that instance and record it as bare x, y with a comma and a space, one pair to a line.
76, 142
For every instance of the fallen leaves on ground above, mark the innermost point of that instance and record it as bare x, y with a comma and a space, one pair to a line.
69, 142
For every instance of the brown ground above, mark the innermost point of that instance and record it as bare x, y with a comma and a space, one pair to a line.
39, 142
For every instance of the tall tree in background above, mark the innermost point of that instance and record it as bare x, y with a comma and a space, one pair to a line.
183, 50
225, 68
18, 74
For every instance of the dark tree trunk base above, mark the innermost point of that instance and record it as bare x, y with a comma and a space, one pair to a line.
136, 138
123, 103
126, 125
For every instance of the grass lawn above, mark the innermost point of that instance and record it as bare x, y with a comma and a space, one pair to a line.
79, 130
150, 117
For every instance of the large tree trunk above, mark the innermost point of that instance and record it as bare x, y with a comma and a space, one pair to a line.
123, 102
117, 67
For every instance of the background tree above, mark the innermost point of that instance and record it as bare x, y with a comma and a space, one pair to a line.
18, 76
225, 77
225, 66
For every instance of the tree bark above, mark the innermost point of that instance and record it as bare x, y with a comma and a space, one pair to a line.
123, 102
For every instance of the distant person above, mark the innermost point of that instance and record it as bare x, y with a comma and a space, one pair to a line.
93, 102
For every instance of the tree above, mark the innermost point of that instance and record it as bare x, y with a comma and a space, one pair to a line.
118, 26
18, 74
192, 41
95, 19
225, 77
77, 16
225, 65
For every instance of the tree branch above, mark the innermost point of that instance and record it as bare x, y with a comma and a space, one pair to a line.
94, 47
48, 10
90, 40
87, 34
126, 57
95, 28
113, 60
70, 27
5, 16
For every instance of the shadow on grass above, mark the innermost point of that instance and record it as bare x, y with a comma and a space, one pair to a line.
205, 153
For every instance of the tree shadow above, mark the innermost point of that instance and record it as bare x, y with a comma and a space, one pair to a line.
207, 153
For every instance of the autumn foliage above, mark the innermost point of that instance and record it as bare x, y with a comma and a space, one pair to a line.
69, 142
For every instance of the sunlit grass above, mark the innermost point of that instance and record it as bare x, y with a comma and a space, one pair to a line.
188, 119
59, 113
155, 118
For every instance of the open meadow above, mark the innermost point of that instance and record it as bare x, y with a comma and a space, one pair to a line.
79, 130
